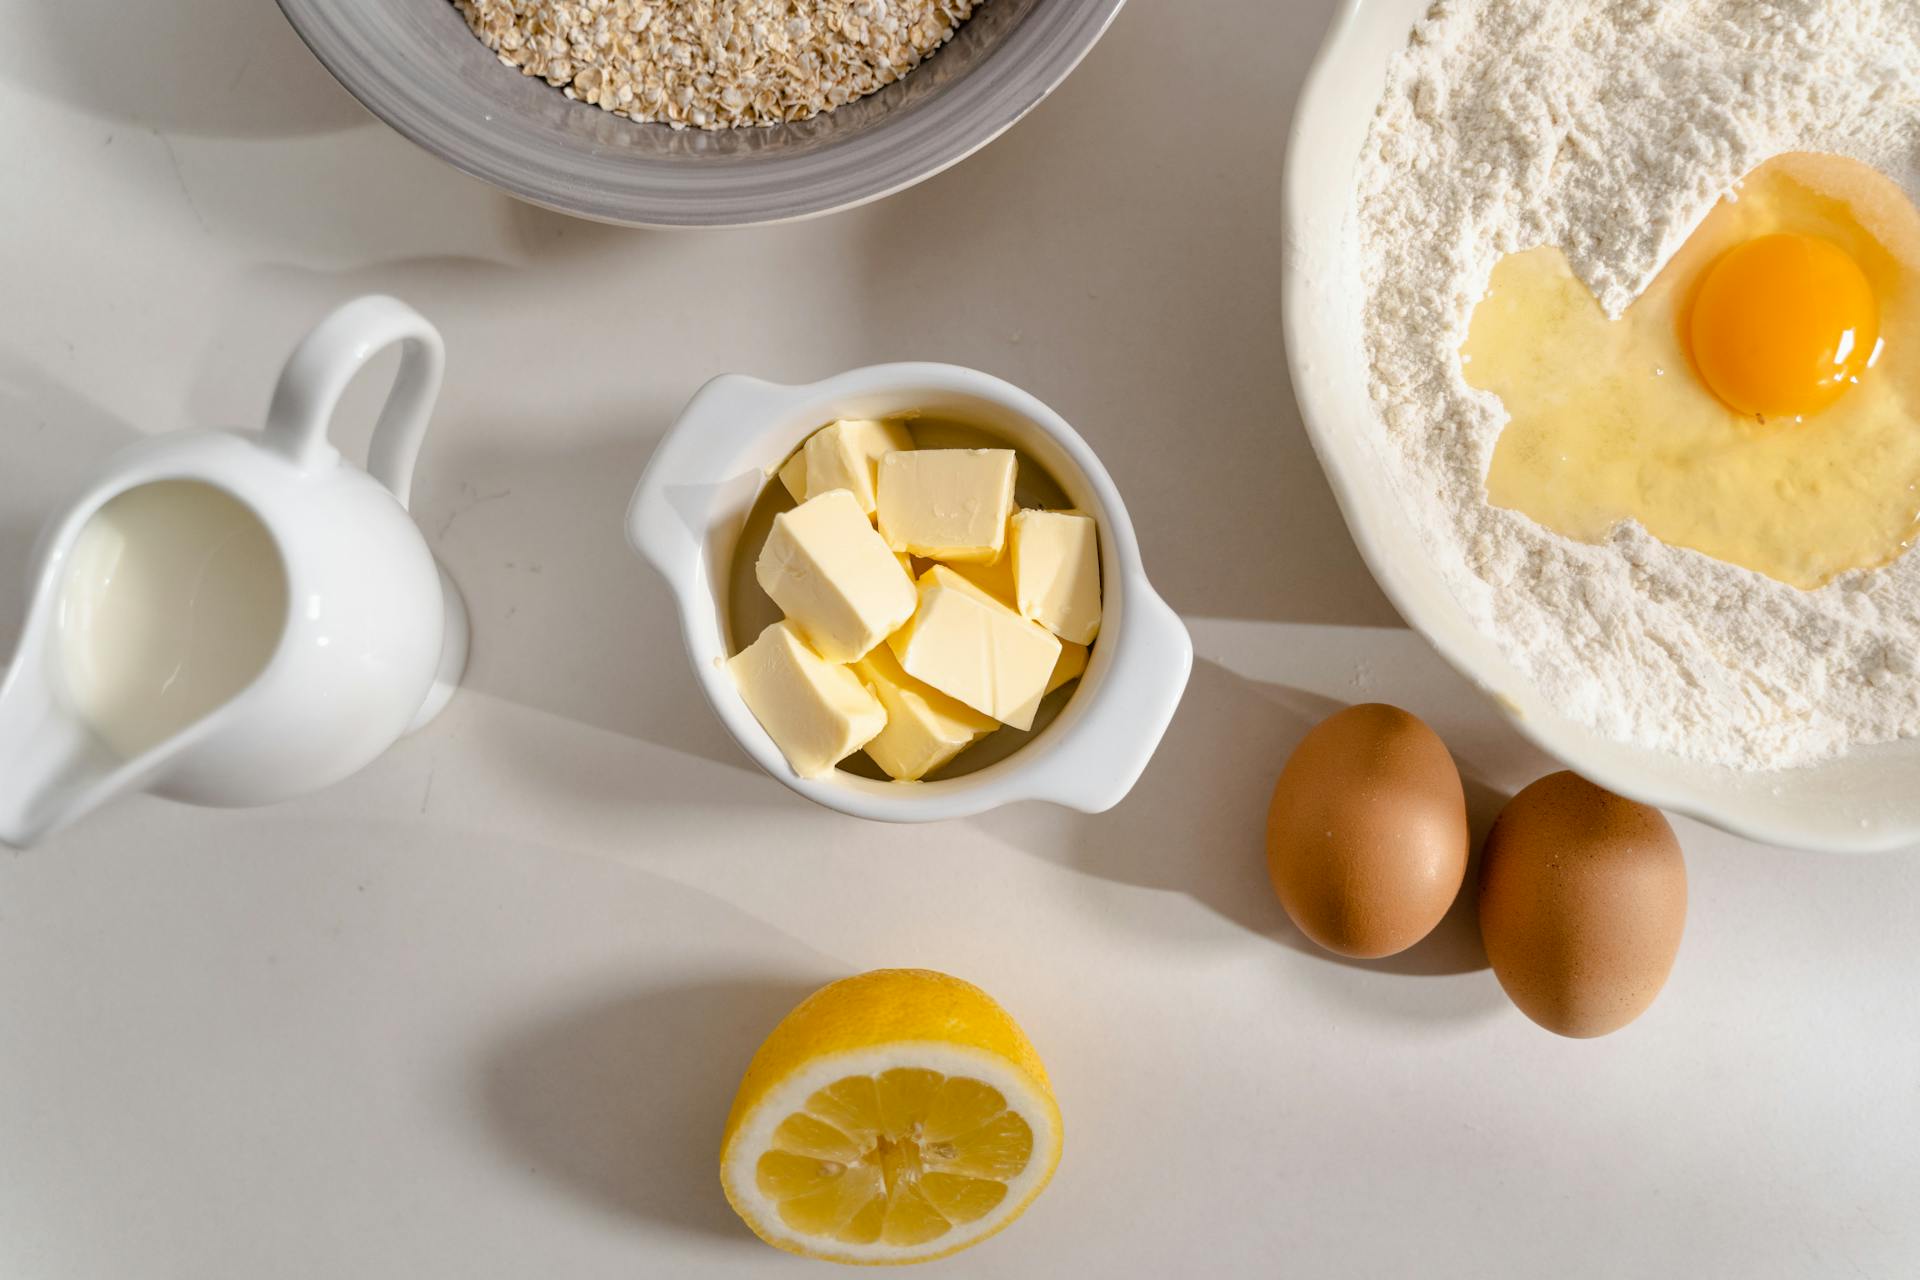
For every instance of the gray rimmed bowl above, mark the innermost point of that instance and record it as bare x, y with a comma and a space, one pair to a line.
415, 64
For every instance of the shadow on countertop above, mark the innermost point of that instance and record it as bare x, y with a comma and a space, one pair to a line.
36, 411
216, 68
1196, 823
623, 1099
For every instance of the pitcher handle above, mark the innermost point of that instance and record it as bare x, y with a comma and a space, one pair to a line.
324, 363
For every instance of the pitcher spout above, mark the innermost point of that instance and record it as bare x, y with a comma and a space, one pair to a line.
52, 768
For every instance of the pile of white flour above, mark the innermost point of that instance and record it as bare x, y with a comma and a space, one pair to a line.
1609, 128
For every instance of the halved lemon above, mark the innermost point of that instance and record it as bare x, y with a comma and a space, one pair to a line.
896, 1116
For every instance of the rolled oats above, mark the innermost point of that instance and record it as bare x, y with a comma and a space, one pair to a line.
715, 64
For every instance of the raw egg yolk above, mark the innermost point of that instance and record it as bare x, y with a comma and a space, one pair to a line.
1782, 325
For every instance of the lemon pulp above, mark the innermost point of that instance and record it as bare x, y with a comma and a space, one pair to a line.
1611, 420
901, 1157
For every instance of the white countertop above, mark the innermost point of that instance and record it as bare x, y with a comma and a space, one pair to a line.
478, 1012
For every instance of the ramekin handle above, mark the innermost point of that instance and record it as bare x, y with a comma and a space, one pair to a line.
723, 419
1109, 749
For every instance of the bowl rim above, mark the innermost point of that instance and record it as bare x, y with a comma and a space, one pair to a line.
1305, 332
1094, 751
869, 166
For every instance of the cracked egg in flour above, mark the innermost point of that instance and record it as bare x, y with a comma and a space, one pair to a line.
1759, 402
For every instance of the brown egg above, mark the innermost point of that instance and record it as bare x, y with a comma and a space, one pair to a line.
1367, 834
1583, 896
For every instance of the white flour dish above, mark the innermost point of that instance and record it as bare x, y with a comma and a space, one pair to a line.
1863, 800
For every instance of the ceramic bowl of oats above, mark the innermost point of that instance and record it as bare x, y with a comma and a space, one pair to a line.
700, 113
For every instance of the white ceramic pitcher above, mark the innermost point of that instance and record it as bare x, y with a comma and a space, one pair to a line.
374, 634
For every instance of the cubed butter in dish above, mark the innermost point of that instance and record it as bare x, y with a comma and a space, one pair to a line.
925, 728
847, 456
947, 504
1056, 571
971, 647
1072, 665
833, 576
793, 475
817, 712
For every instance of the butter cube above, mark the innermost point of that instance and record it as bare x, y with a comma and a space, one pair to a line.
994, 577
1056, 572
925, 728
1072, 665
794, 475
847, 456
817, 712
971, 647
947, 504
834, 577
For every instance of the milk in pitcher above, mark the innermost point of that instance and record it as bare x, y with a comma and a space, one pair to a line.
173, 602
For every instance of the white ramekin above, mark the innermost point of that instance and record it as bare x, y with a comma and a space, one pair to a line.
693, 501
